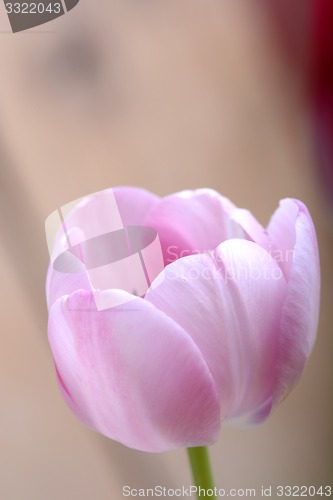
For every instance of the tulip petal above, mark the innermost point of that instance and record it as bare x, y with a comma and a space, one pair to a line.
132, 373
190, 222
134, 204
230, 302
111, 209
59, 284
293, 232
281, 232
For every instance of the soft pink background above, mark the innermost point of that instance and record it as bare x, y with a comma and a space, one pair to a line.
167, 96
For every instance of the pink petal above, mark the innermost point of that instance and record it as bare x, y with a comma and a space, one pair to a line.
111, 209
133, 374
134, 204
190, 222
230, 302
281, 232
59, 284
292, 229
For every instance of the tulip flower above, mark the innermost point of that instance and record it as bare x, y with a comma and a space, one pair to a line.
222, 333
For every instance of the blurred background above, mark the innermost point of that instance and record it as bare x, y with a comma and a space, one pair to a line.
235, 95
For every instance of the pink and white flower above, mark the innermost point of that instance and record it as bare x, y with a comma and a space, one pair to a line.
224, 335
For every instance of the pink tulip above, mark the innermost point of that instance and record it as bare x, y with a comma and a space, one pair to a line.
224, 335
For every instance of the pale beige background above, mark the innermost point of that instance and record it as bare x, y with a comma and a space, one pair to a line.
164, 95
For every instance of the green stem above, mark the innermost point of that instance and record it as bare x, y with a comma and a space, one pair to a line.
201, 471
